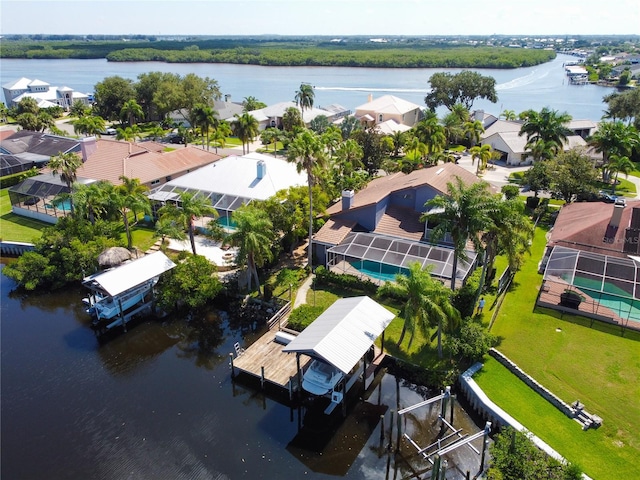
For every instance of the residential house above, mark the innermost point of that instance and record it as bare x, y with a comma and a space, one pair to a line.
377, 231
20, 151
390, 111
106, 159
233, 181
271, 116
504, 137
45, 94
592, 262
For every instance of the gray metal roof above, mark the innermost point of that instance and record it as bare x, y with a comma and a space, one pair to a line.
130, 275
343, 333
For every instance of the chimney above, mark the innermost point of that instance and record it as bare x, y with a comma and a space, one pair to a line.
616, 216
370, 98
227, 97
347, 199
262, 169
478, 115
88, 147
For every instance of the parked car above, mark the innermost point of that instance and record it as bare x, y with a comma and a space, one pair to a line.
607, 197
109, 131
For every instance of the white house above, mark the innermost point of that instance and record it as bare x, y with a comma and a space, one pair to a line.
43, 93
271, 116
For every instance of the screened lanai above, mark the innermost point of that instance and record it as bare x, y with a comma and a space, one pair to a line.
224, 203
603, 285
382, 258
39, 197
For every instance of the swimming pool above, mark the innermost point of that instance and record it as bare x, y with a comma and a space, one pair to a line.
64, 205
611, 296
377, 270
227, 223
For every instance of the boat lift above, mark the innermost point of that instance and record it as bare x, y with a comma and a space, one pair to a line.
445, 443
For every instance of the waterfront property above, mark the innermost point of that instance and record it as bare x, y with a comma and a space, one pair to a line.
272, 115
119, 293
377, 231
103, 159
592, 262
43, 93
390, 113
340, 338
232, 182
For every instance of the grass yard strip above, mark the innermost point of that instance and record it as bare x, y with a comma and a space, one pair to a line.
577, 361
15, 228
547, 422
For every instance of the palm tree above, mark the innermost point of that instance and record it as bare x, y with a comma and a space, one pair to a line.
131, 110
271, 135
92, 201
614, 138
508, 231
483, 153
304, 97
463, 213
453, 128
66, 164
548, 125
620, 164
473, 131
541, 149
253, 236
399, 140
428, 302
220, 134
125, 134
508, 115
130, 197
245, 127
432, 134
205, 118
307, 151
89, 125
252, 103
191, 206
168, 227
79, 109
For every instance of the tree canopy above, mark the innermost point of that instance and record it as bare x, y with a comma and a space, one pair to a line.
449, 89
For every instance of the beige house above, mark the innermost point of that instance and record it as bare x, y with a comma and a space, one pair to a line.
389, 108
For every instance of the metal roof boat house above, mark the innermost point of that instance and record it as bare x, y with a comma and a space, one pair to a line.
122, 292
338, 342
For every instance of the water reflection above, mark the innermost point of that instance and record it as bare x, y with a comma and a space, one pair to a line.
159, 402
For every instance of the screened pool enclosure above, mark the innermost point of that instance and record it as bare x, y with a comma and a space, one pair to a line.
382, 258
601, 286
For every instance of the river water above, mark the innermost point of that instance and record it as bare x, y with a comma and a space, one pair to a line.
159, 402
518, 89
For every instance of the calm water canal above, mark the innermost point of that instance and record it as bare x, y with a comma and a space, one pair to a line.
159, 402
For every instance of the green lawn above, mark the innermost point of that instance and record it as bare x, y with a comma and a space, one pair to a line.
14, 227
595, 365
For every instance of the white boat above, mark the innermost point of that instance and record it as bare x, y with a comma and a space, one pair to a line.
321, 378
109, 307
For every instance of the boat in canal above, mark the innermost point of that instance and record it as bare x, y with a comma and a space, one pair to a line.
321, 378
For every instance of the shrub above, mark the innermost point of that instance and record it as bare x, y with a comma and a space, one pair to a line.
327, 277
302, 317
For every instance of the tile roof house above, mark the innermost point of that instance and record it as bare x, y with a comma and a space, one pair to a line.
20, 151
388, 207
43, 93
106, 159
271, 116
389, 107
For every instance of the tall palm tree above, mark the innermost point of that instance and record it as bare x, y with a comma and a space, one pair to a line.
245, 127
541, 149
483, 153
220, 134
130, 197
508, 231
548, 125
132, 111
304, 97
428, 303
253, 236
432, 134
190, 207
399, 140
66, 164
205, 117
473, 131
306, 151
620, 164
614, 138
463, 213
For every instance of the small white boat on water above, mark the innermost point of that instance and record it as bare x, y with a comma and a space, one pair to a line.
109, 307
321, 378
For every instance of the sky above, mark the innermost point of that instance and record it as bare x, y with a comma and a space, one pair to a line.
321, 17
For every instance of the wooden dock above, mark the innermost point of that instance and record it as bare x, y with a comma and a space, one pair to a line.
266, 360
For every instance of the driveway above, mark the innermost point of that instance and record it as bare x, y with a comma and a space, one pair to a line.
498, 176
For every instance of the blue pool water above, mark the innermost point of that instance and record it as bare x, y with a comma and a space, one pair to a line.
227, 222
378, 270
65, 206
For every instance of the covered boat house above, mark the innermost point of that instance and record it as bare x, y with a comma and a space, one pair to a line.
120, 293
341, 337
